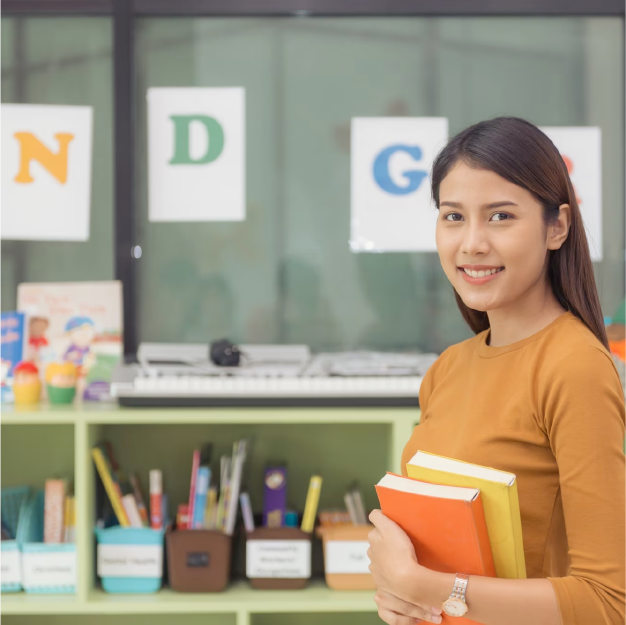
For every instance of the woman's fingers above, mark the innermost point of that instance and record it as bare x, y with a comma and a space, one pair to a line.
389, 603
391, 618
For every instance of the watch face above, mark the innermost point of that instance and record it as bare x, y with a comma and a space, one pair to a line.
454, 607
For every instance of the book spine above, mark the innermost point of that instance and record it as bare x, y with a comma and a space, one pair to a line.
132, 511
233, 495
141, 506
54, 503
109, 486
195, 463
312, 501
199, 507
246, 510
211, 508
516, 527
72, 520
156, 503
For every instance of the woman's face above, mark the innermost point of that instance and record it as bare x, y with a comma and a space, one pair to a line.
492, 229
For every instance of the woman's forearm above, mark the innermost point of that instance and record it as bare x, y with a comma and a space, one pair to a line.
494, 601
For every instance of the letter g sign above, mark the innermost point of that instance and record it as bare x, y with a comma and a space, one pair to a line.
381, 170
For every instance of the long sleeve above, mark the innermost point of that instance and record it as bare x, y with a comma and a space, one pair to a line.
582, 407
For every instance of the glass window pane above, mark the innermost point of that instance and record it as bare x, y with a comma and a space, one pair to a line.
63, 61
286, 274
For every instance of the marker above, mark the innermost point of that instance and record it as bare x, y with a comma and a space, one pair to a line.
156, 492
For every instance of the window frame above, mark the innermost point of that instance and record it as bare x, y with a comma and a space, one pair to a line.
124, 13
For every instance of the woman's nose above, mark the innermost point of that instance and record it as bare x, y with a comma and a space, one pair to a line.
475, 240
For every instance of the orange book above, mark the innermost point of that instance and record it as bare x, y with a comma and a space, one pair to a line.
446, 525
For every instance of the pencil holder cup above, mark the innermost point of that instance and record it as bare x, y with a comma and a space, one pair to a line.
278, 557
130, 559
346, 565
198, 560
14, 501
48, 568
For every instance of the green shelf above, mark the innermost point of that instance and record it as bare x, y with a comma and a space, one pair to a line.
342, 441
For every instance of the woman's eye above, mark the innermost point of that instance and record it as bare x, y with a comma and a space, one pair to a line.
500, 216
453, 217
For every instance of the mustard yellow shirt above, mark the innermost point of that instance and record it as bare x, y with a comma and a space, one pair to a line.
550, 409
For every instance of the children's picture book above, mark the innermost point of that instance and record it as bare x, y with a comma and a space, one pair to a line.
12, 352
79, 322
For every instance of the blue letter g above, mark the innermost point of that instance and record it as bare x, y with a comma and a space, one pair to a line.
381, 170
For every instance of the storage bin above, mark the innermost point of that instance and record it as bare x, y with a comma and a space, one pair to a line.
345, 557
278, 557
198, 560
14, 501
130, 559
46, 567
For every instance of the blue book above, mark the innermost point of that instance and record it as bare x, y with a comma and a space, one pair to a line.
203, 478
13, 349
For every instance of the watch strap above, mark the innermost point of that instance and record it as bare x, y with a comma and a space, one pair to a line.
460, 586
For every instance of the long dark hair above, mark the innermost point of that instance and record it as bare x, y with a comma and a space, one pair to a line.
519, 152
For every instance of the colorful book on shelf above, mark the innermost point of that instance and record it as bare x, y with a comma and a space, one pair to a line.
138, 493
498, 491
13, 350
112, 489
195, 464
79, 322
446, 525
54, 511
203, 479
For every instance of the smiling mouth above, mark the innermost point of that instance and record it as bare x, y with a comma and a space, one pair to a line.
483, 273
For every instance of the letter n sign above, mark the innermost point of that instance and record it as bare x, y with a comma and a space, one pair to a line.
46, 172
196, 154
391, 159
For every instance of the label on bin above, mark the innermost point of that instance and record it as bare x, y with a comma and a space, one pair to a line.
130, 560
278, 558
347, 556
11, 567
53, 568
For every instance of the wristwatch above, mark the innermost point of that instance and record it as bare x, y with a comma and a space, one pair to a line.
455, 604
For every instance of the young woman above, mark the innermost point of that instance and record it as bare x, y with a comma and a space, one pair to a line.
535, 392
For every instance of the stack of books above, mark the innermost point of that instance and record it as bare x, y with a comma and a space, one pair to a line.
460, 517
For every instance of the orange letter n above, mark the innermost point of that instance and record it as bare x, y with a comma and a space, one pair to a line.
31, 148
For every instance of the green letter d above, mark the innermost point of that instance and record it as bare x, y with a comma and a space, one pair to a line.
181, 139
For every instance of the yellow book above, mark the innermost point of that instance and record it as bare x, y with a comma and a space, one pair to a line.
498, 491
310, 506
109, 486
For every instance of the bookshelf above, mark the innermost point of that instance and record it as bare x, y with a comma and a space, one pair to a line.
341, 443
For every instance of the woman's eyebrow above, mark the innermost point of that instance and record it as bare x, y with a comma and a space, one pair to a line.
492, 205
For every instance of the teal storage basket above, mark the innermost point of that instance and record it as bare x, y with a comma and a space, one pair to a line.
130, 559
48, 568
14, 501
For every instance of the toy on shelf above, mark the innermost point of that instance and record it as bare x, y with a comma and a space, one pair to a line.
26, 384
61, 382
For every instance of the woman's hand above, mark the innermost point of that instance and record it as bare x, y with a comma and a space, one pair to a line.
395, 569
395, 611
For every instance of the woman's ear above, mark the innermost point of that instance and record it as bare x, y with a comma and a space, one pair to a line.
559, 229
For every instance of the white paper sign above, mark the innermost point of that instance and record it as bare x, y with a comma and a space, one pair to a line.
347, 556
278, 558
391, 159
11, 567
130, 560
49, 569
196, 153
581, 150
46, 172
